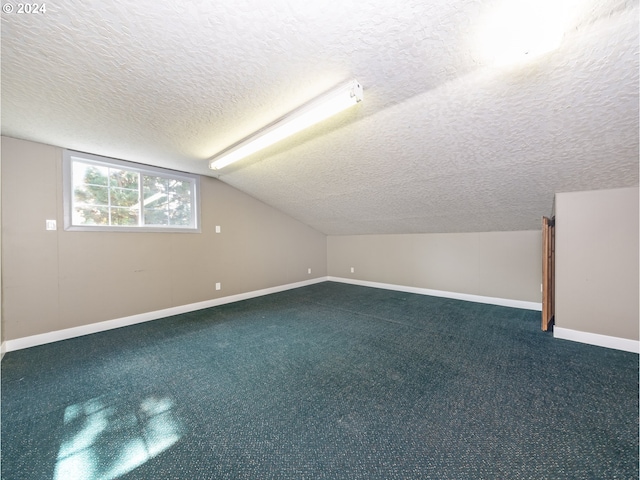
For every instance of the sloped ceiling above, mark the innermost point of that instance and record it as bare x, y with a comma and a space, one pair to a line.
444, 141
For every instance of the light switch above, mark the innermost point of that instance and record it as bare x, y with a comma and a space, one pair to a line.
217, 228
51, 225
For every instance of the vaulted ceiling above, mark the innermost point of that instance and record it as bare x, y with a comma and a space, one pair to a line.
446, 140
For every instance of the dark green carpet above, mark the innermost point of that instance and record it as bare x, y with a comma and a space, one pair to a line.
330, 381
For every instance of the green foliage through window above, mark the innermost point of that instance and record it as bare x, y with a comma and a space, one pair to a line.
115, 196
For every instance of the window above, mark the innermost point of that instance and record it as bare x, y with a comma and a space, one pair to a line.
106, 194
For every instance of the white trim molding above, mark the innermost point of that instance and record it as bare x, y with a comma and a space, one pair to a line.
58, 335
616, 343
503, 302
41, 339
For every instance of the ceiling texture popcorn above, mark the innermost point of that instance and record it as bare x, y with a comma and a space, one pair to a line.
448, 138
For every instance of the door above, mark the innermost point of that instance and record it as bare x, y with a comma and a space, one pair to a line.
548, 272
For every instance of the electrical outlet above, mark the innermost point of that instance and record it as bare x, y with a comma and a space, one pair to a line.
309, 271
217, 228
51, 225
353, 270
218, 286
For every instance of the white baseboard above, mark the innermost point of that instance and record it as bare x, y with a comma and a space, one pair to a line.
504, 302
67, 333
558, 332
597, 339
55, 336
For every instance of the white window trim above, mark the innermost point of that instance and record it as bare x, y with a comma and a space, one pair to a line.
67, 193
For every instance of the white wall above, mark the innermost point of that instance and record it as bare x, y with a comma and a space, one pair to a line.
504, 265
597, 264
3, 345
56, 280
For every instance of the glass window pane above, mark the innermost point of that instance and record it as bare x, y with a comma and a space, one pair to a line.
123, 178
152, 184
124, 197
180, 214
91, 195
124, 216
157, 200
154, 216
85, 173
91, 216
155, 191
180, 187
181, 191
180, 203
116, 193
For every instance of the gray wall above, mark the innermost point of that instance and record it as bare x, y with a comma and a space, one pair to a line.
597, 262
52, 280
493, 264
56, 279
2, 342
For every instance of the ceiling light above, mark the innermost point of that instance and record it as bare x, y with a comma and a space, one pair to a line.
309, 114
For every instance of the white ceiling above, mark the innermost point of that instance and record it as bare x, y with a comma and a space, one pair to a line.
444, 140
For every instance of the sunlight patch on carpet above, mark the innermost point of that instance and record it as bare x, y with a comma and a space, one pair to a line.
103, 440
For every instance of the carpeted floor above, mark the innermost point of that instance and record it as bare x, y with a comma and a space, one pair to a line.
329, 381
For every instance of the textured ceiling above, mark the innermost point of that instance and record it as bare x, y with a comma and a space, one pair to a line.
444, 141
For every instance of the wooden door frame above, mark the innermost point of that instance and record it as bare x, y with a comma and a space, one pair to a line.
548, 272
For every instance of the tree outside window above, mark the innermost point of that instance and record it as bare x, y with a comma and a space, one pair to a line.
104, 195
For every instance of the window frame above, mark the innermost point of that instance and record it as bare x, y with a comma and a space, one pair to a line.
69, 156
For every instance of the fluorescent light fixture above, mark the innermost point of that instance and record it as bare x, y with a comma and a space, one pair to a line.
309, 114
